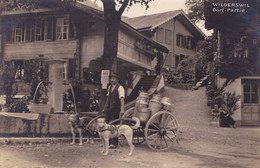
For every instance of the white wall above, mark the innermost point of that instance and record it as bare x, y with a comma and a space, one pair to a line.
176, 28
92, 48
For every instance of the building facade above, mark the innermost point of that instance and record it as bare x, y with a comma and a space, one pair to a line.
237, 27
66, 45
172, 29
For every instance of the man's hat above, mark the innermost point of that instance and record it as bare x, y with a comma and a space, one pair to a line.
113, 74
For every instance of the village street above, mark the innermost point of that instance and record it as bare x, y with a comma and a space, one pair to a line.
200, 145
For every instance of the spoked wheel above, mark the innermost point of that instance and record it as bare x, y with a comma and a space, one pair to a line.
92, 125
161, 131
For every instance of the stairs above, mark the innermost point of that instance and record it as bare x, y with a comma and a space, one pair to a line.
145, 83
200, 83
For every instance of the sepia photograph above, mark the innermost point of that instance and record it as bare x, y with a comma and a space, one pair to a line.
129, 83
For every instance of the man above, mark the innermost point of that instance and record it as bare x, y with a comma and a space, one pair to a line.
115, 102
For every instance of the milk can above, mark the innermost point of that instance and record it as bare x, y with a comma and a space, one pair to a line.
139, 105
166, 102
155, 104
143, 96
144, 114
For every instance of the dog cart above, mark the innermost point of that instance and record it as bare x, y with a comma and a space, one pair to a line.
159, 127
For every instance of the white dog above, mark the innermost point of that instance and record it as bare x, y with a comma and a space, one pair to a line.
107, 131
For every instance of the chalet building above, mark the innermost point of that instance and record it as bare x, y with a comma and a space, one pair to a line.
237, 28
172, 29
67, 45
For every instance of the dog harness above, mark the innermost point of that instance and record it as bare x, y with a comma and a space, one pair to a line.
81, 122
111, 128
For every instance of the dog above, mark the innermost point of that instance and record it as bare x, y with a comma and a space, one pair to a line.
107, 131
80, 124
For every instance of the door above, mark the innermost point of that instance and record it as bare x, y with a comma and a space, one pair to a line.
251, 102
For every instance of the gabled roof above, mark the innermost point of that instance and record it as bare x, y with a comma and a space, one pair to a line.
150, 22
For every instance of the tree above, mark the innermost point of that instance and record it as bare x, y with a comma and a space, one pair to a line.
112, 19
195, 10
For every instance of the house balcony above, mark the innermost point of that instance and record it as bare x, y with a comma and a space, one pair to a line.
63, 49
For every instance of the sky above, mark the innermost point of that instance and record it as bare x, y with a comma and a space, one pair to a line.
158, 6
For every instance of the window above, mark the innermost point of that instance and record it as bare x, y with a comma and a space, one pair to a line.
239, 51
19, 69
178, 59
168, 36
184, 41
68, 71
168, 61
189, 42
71, 69
49, 29
8, 35
159, 35
62, 29
39, 30
179, 40
28, 33
250, 93
258, 19
19, 33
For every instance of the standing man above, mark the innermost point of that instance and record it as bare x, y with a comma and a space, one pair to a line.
115, 102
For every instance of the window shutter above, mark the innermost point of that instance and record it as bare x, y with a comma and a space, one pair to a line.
71, 69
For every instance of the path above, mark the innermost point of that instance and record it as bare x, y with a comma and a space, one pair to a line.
200, 145
201, 140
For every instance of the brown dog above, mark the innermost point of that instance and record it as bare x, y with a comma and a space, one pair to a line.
107, 131
79, 124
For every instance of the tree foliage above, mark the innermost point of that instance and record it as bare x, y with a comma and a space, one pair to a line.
113, 10
195, 10
206, 51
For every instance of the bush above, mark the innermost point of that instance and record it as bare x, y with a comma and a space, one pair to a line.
17, 106
219, 96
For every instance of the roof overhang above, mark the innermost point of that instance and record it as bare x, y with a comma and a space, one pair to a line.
20, 12
191, 26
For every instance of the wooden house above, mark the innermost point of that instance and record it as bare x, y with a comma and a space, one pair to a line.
172, 29
67, 44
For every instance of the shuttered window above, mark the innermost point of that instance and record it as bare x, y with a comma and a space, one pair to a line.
159, 35
168, 36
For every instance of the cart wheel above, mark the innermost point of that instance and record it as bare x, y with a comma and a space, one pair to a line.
161, 130
129, 113
92, 125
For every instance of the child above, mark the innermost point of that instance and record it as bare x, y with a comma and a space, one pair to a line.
215, 113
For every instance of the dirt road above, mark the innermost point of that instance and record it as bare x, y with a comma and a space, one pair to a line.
200, 145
